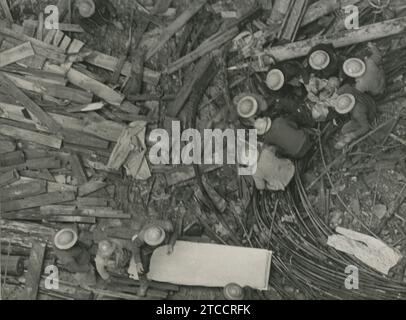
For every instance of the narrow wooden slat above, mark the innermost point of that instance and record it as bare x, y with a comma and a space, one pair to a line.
15, 54
38, 201
34, 273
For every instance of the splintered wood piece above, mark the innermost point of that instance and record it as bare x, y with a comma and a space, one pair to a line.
6, 10
77, 169
15, 54
185, 173
8, 178
34, 272
293, 20
205, 48
40, 48
363, 34
39, 138
23, 190
90, 187
134, 85
184, 93
125, 145
42, 117
99, 89
175, 26
38, 201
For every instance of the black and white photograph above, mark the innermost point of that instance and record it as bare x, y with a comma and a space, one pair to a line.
202, 155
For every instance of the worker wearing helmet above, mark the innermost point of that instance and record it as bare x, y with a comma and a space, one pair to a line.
74, 256
111, 255
150, 237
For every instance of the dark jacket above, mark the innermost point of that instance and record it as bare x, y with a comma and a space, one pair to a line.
76, 259
285, 134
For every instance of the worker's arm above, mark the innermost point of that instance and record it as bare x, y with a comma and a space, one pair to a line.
175, 234
101, 268
136, 249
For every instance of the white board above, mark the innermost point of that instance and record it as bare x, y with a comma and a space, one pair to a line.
209, 265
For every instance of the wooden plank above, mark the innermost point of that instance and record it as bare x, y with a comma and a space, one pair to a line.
363, 34
38, 201
90, 187
23, 190
15, 54
42, 175
61, 187
91, 202
39, 138
9, 177
54, 90
34, 273
77, 169
71, 219
107, 62
99, 89
43, 163
6, 146
176, 25
12, 158
42, 117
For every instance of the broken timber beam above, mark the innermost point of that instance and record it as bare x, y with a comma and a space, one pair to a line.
367, 33
175, 26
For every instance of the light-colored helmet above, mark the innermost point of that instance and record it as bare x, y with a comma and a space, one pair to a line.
233, 291
263, 125
345, 103
319, 60
154, 236
354, 67
275, 79
247, 107
86, 8
65, 239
